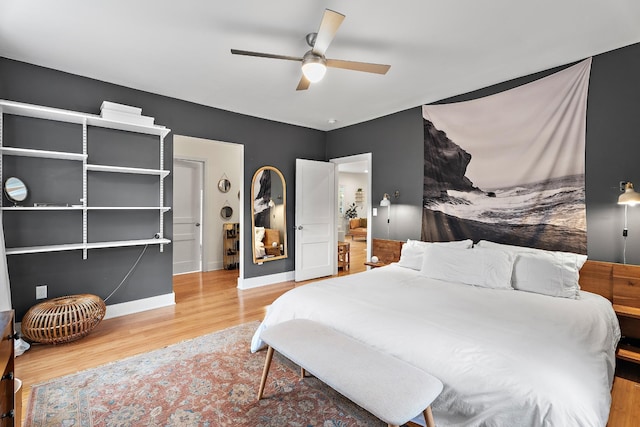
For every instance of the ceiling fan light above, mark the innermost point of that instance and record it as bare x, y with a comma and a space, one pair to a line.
313, 68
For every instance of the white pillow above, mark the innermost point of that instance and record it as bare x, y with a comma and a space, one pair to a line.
412, 252
483, 267
464, 244
411, 257
259, 234
544, 272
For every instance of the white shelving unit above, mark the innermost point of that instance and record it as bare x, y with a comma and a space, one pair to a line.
120, 169
86, 120
42, 208
26, 152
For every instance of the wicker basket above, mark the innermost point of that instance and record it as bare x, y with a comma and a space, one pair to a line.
63, 319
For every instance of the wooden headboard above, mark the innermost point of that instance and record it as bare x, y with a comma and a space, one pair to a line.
619, 283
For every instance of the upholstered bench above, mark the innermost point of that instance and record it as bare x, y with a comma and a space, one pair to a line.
389, 388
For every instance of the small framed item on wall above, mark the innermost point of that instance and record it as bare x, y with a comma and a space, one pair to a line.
224, 185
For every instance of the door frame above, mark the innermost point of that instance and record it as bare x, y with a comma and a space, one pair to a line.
368, 158
203, 223
207, 226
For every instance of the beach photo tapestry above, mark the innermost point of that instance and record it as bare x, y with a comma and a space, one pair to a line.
510, 167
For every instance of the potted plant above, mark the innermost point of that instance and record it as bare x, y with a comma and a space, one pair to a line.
351, 212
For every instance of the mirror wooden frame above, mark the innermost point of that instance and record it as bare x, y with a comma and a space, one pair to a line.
261, 196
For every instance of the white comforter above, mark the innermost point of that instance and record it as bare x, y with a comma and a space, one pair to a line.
506, 358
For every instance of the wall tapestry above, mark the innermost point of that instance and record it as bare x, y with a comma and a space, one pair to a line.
510, 167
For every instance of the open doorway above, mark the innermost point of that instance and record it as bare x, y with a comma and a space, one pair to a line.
222, 204
353, 191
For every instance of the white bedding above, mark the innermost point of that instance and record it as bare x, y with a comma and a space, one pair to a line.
506, 357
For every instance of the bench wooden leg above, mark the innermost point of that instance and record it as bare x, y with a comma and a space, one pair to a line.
428, 417
265, 372
303, 373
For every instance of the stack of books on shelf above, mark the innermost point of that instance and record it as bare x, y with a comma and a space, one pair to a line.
124, 113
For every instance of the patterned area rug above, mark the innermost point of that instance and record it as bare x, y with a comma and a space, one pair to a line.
209, 381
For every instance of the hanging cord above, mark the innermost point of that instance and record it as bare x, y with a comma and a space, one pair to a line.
129, 273
624, 236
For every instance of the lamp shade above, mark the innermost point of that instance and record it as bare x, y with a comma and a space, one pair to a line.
313, 67
385, 200
629, 197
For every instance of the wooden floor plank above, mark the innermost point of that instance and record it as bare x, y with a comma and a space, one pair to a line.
209, 302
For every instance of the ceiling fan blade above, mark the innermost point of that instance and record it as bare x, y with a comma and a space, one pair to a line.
367, 67
304, 83
264, 55
328, 27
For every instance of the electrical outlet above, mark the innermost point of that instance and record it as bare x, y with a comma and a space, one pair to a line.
41, 292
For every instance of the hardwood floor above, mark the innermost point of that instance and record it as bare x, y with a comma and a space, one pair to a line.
208, 302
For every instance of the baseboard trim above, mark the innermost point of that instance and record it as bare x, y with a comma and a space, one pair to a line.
215, 265
136, 306
255, 282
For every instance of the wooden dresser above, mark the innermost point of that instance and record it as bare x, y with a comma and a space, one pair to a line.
6, 366
620, 283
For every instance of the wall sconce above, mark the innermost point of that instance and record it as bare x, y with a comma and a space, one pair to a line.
628, 198
387, 202
385, 199
272, 205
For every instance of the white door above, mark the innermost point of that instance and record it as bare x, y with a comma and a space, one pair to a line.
187, 216
315, 220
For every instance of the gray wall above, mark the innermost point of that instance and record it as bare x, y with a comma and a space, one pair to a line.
397, 161
265, 143
612, 154
396, 142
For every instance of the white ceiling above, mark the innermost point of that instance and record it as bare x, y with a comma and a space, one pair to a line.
436, 49
353, 167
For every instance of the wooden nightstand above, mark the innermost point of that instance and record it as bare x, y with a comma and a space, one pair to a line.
272, 251
629, 318
344, 255
626, 304
375, 264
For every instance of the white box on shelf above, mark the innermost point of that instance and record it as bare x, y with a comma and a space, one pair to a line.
119, 116
108, 105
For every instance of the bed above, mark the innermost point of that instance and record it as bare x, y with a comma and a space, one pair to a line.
507, 357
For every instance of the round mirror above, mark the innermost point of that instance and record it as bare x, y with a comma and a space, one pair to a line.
15, 189
224, 185
226, 212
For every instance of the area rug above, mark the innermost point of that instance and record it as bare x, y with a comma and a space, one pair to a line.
209, 381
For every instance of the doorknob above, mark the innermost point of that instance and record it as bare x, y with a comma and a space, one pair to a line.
197, 224
300, 227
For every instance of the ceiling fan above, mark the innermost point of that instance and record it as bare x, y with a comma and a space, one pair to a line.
314, 63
